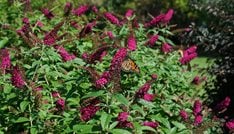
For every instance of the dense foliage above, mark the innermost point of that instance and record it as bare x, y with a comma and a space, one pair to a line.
83, 69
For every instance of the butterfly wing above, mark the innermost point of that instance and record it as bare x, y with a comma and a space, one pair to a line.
129, 65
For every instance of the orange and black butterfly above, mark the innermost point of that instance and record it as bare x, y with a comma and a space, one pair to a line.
128, 65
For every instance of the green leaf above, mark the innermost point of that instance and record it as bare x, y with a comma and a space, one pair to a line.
23, 105
94, 94
21, 119
113, 125
85, 85
122, 99
120, 131
179, 125
33, 130
3, 42
148, 128
83, 128
105, 120
7, 88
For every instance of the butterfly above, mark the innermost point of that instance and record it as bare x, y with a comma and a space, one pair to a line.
128, 65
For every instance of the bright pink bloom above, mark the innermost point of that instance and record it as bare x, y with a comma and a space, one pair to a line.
67, 8
148, 97
154, 76
230, 124
188, 58
132, 43
143, 90
168, 16
5, 59
110, 17
183, 115
156, 20
129, 13
89, 111
50, 38
60, 104
64, 54
38, 88
166, 48
101, 82
74, 24
152, 124
188, 55
118, 59
198, 120
39, 24
153, 40
55, 94
81, 10
196, 80
85, 56
197, 107
48, 14
17, 78
123, 116
223, 104
94, 9
110, 34
25, 20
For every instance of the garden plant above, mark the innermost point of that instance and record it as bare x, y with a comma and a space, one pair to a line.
71, 68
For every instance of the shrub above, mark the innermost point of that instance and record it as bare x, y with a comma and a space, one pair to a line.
90, 71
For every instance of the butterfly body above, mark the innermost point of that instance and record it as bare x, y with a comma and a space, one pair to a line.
128, 65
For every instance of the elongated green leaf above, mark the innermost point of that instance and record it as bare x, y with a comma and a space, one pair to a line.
105, 120
120, 131
21, 119
121, 98
94, 94
23, 105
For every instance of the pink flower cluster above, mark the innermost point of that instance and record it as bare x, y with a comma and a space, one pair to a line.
5, 59
64, 54
132, 43
103, 80
17, 78
230, 124
118, 59
67, 8
142, 92
113, 19
60, 104
166, 48
152, 124
50, 38
188, 55
183, 115
152, 40
80, 10
223, 104
110, 34
197, 109
123, 120
129, 13
48, 14
89, 111
94, 9
164, 18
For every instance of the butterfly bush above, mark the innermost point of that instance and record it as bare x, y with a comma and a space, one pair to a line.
80, 10
17, 78
72, 78
5, 59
